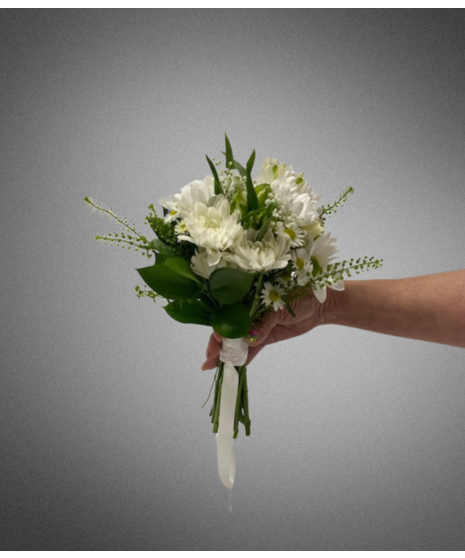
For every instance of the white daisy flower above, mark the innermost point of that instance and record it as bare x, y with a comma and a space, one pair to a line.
296, 234
302, 265
272, 295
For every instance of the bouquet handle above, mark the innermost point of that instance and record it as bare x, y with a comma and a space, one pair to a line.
230, 384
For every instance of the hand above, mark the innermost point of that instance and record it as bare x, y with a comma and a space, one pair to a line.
275, 327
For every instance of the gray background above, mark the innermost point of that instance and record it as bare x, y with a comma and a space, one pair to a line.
357, 438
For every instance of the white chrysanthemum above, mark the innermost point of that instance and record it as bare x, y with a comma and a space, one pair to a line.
201, 191
213, 228
204, 264
260, 256
272, 295
295, 197
271, 170
314, 229
302, 265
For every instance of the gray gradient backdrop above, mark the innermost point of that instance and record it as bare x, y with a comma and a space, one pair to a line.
357, 439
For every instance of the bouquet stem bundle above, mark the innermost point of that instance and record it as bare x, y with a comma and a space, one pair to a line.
242, 401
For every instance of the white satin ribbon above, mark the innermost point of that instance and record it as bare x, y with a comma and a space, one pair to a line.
233, 353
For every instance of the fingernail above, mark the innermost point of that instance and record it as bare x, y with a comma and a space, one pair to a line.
253, 336
217, 336
204, 367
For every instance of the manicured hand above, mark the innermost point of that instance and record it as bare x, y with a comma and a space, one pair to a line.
277, 326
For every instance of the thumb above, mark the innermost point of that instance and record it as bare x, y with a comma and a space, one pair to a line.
260, 331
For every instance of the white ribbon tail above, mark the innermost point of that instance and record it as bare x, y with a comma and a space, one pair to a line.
233, 353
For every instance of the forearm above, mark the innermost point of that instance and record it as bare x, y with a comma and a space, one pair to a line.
429, 308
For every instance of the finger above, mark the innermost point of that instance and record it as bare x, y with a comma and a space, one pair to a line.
260, 331
213, 351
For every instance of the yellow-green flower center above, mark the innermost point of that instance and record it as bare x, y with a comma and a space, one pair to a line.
274, 296
173, 212
299, 263
290, 233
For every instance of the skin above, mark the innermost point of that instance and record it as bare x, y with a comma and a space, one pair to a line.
427, 308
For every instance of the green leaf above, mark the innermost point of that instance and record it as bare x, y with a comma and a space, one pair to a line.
168, 283
160, 246
228, 154
189, 312
230, 285
252, 201
232, 321
182, 267
162, 250
218, 188
240, 168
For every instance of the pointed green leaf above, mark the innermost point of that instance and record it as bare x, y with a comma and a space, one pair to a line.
218, 188
189, 312
232, 320
228, 153
168, 283
182, 267
252, 201
240, 168
230, 285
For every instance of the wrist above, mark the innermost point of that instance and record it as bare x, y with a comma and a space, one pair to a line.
331, 310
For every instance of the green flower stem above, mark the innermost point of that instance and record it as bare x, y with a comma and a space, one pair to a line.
215, 398
240, 387
257, 294
216, 413
245, 395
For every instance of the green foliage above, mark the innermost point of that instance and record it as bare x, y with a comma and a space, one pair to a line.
336, 271
181, 266
230, 285
168, 283
231, 320
218, 188
189, 312
330, 209
252, 201
166, 233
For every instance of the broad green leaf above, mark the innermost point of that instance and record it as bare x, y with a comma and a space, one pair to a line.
189, 312
228, 153
230, 285
218, 188
182, 267
168, 283
232, 321
252, 201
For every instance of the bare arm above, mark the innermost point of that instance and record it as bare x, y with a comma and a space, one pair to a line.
429, 308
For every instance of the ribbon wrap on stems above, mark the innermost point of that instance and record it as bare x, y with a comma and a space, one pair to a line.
233, 353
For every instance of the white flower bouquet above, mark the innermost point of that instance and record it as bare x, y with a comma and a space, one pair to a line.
229, 249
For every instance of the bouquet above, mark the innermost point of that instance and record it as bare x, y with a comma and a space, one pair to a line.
228, 250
